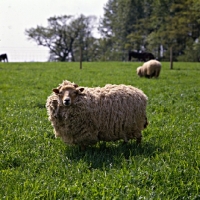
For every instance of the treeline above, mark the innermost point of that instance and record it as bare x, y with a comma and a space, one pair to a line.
162, 27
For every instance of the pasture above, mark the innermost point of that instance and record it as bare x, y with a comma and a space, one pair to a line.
35, 165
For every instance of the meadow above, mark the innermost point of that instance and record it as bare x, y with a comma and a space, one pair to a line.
36, 165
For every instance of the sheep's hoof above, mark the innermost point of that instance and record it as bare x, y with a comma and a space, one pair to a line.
138, 141
83, 147
102, 145
146, 124
125, 142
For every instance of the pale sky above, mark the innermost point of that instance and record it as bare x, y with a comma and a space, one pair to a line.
18, 15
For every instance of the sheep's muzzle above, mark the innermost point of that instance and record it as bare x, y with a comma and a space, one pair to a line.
67, 101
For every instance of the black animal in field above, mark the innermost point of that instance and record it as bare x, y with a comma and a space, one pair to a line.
4, 57
144, 56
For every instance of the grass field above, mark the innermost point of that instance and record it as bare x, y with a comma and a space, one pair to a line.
35, 165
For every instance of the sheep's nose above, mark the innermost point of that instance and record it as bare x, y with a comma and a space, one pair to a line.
67, 102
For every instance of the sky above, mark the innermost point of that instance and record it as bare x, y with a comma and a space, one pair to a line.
18, 15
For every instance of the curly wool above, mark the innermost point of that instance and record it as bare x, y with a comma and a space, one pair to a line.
149, 69
109, 113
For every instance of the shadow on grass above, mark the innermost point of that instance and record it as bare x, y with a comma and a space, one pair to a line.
104, 155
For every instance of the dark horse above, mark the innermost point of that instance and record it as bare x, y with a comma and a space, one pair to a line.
144, 56
3, 57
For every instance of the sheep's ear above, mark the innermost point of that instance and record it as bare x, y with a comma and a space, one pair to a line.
56, 90
81, 89
75, 85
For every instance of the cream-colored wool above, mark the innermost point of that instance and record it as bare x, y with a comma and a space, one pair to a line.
109, 113
149, 69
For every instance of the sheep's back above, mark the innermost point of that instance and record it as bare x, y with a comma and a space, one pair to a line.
150, 66
115, 110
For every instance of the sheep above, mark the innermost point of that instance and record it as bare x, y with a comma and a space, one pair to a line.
149, 69
84, 116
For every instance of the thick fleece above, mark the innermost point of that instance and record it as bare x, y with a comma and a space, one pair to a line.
149, 69
109, 113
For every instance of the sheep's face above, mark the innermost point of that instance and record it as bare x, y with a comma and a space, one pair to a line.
139, 71
68, 94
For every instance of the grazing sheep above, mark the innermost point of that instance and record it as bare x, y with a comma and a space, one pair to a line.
84, 116
149, 69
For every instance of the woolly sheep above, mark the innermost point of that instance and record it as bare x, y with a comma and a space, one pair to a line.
149, 69
84, 116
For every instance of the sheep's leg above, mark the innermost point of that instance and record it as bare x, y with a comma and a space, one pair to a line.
153, 74
157, 73
146, 122
83, 147
56, 112
102, 145
138, 137
125, 140
138, 140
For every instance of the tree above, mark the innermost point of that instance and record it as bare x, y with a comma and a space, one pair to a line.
141, 27
85, 38
173, 25
117, 23
64, 36
163, 27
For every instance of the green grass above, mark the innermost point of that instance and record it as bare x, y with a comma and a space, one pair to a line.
35, 165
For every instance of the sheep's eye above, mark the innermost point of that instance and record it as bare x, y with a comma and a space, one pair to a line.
75, 92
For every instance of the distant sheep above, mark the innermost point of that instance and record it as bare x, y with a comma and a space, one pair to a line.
84, 116
149, 69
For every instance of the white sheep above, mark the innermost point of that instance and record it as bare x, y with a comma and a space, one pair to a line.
85, 116
149, 69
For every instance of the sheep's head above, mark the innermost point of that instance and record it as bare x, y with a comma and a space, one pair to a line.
68, 93
139, 71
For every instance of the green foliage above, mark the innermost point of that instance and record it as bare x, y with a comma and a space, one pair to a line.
119, 21
35, 165
151, 24
64, 37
